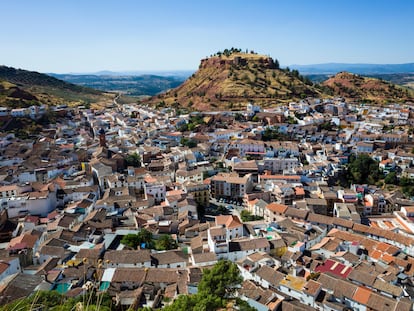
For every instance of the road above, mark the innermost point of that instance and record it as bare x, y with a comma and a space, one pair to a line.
235, 210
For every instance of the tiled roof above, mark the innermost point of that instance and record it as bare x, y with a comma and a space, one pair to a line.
312, 288
128, 256
270, 275
335, 268
277, 208
362, 295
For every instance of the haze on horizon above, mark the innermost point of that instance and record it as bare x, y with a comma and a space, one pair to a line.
96, 35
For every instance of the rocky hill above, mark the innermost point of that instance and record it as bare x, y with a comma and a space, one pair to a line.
356, 87
22, 88
229, 81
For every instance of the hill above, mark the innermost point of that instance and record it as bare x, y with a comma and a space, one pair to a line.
356, 87
133, 85
21, 88
231, 79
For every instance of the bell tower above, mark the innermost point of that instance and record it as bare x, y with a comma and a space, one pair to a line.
102, 138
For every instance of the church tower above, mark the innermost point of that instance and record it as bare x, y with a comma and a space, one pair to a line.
102, 138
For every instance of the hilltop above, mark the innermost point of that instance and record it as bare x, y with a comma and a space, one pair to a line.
231, 79
356, 87
22, 88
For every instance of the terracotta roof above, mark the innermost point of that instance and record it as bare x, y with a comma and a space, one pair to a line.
362, 295
230, 221
3, 266
25, 240
277, 208
312, 288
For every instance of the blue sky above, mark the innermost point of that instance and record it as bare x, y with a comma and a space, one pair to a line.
92, 35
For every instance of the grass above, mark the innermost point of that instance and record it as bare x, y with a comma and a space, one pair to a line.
227, 85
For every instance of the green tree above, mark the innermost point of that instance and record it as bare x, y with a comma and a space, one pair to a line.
165, 242
142, 237
133, 160
215, 286
221, 280
245, 215
131, 240
363, 169
391, 178
190, 143
276, 62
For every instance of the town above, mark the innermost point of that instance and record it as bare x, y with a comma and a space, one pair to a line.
311, 201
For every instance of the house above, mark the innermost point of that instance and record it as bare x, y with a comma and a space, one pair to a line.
248, 147
311, 291
232, 224
199, 191
195, 176
240, 248
318, 206
273, 211
169, 259
230, 186
259, 298
258, 208
34, 203
9, 266
26, 244
203, 259
128, 258
268, 277
292, 286
20, 285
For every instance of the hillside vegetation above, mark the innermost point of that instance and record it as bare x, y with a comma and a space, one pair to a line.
22, 88
356, 87
227, 81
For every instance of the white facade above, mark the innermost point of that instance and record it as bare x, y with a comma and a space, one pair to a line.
157, 190
13, 267
34, 205
279, 165
19, 112
195, 176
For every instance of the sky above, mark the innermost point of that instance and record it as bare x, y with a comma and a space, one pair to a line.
69, 36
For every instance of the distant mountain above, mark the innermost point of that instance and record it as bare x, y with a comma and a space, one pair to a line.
356, 87
230, 81
161, 73
128, 84
20, 87
365, 69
